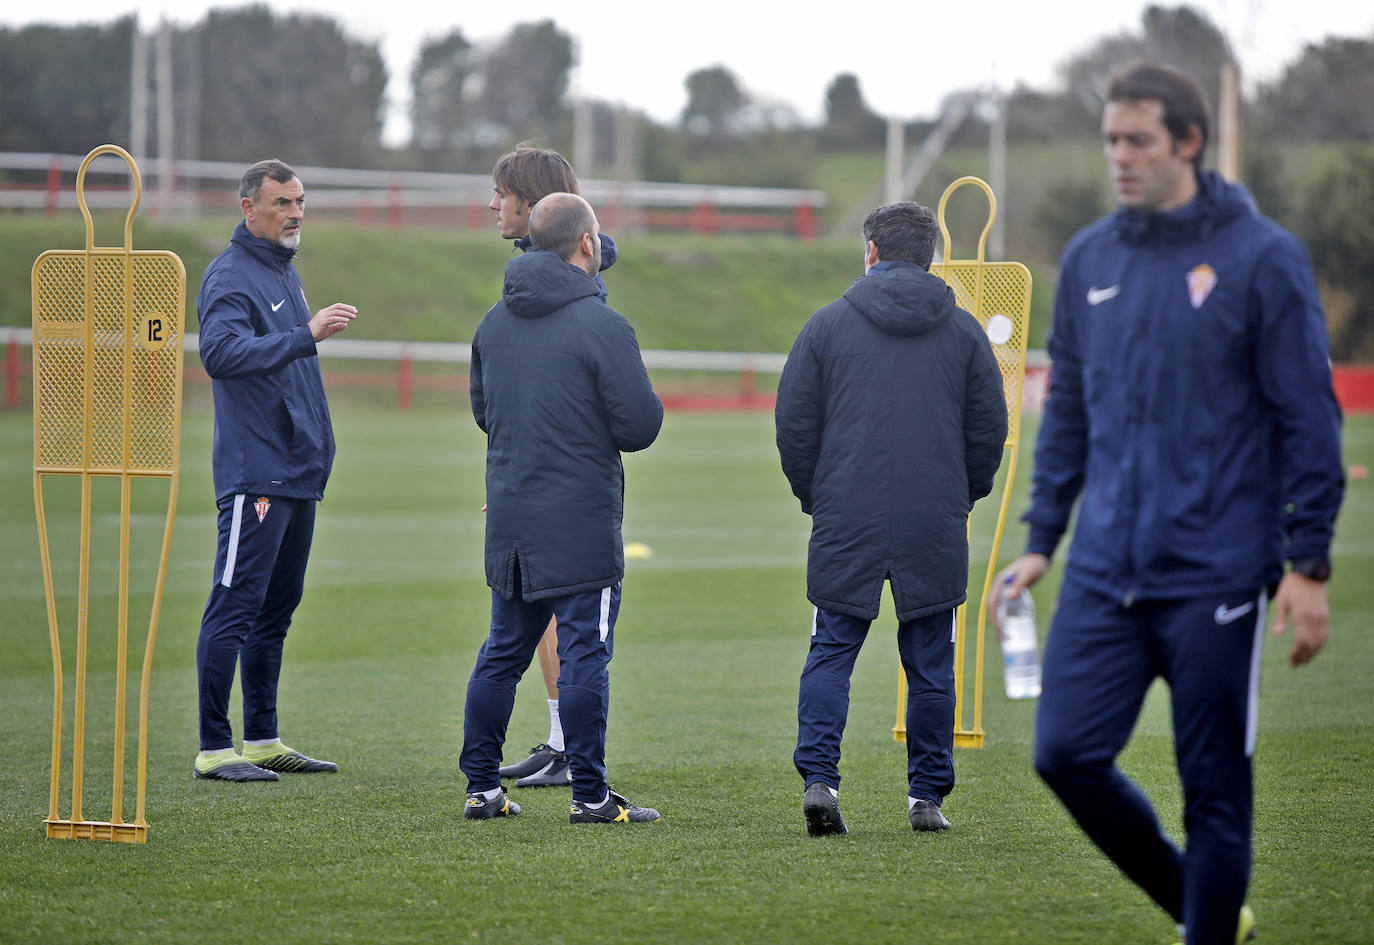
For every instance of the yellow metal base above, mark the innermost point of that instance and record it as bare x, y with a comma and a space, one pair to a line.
97, 830
962, 738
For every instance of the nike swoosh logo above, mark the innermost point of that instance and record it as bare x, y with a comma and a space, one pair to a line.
1224, 616
1098, 296
279, 305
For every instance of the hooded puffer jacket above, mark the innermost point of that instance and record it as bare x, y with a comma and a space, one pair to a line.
890, 424
559, 387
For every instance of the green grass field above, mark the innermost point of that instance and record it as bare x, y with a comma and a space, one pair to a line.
711, 638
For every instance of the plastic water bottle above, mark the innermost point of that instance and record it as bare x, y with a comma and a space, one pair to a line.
1020, 655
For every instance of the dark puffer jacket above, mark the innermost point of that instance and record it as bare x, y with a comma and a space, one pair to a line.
890, 424
559, 387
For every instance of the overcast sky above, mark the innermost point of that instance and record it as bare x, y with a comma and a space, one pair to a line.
907, 55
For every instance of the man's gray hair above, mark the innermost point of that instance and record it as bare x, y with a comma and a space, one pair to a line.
558, 221
251, 182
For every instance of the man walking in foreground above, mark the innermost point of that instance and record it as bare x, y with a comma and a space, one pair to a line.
890, 424
1191, 406
559, 387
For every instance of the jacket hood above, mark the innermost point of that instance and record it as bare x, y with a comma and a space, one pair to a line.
1216, 204
609, 254
271, 254
901, 298
540, 282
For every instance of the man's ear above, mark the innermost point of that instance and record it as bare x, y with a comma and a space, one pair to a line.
870, 253
1190, 144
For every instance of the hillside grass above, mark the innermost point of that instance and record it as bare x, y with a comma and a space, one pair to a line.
681, 292
711, 638
723, 293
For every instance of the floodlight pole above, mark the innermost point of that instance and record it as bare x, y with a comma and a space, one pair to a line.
138, 93
1228, 124
896, 134
164, 118
997, 169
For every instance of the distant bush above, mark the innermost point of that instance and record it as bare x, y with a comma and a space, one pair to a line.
1064, 208
1338, 229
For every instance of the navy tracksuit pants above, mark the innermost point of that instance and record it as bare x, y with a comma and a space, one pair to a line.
264, 543
1100, 660
926, 646
586, 636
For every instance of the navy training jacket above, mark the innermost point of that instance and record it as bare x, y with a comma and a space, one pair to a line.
891, 423
558, 384
273, 435
1190, 403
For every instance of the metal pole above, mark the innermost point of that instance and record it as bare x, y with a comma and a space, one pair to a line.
892, 191
997, 171
165, 137
1228, 124
583, 145
138, 94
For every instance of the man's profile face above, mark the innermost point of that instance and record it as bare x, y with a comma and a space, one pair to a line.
594, 263
512, 214
1150, 170
276, 213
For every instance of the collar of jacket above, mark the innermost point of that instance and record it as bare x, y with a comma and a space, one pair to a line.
1217, 202
265, 251
541, 282
609, 253
901, 298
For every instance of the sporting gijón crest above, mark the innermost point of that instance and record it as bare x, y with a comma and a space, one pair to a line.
1202, 279
261, 506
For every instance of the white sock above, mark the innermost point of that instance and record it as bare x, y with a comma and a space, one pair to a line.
493, 794
602, 802
555, 727
216, 752
259, 742
911, 802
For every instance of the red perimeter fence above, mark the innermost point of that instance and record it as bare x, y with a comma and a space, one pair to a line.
46, 183
684, 380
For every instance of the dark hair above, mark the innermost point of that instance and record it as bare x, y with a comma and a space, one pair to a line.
903, 232
1178, 92
558, 221
534, 173
251, 182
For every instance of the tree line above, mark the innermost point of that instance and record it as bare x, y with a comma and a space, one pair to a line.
247, 80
